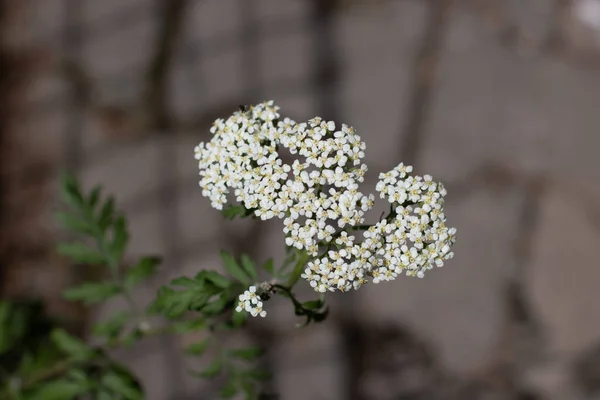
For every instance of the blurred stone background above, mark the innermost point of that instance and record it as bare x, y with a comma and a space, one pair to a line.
500, 100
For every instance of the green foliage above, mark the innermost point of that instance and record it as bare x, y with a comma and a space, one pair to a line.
70, 345
237, 210
112, 328
43, 361
92, 292
234, 269
145, 268
208, 292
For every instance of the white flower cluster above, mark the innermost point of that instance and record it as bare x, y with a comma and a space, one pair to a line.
324, 193
414, 238
250, 302
242, 156
317, 198
313, 196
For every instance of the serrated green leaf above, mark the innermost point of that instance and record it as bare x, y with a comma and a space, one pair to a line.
249, 353
80, 253
60, 389
70, 345
197, 349
217, 306
216, 278
107, 213
145, 268
187, 282
269, 267
120, 238
233, 268
173, 303
94, 196
92, 292
212, 370
121, 385
113, 326
70, 191
75, 224
249, 267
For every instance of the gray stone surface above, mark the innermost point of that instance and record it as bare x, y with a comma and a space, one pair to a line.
536, 115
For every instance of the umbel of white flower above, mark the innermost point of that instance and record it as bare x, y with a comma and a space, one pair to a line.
317, 198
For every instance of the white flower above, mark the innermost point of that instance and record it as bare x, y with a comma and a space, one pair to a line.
250, 302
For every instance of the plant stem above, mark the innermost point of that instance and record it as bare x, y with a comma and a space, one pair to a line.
298, 269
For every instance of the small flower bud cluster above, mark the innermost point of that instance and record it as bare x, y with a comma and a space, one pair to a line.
250, 302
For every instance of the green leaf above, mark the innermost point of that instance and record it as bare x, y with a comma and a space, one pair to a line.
80, 253
145, 268
313, 304
197, 349
77, 374
230, 389
239, 318
60, 389
70, 191
94, 197
173, 303
233, 268
75, 224
120, 239
269, 267
249, 267
121, 385
113, 326
92, 292
187, 282
104, 395
132, 337
249, 353
107, 213
70, 345
189, 326
216, 278
233, 211
217, 306
212, 370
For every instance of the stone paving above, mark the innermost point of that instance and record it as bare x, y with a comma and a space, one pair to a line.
531, 118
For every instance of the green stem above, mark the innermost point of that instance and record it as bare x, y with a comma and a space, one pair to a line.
288, 293
298, 269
